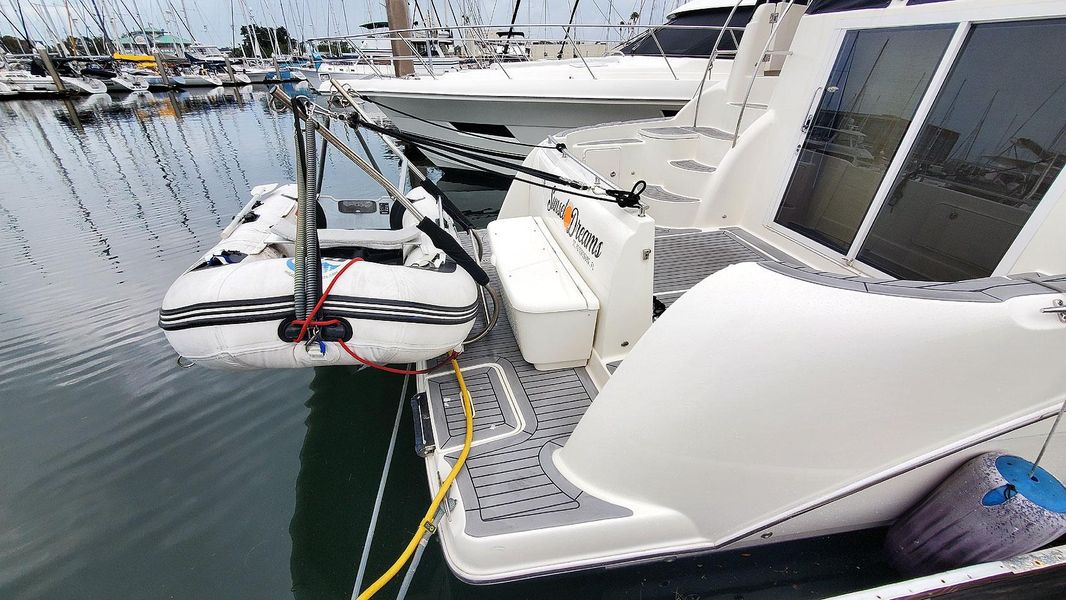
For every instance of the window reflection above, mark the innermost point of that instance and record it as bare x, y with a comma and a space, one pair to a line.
993, 144
871, 96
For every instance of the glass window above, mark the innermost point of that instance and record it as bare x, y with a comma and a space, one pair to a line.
692, 42
994, 142
867, 105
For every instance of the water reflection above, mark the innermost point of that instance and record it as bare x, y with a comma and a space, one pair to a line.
124, 476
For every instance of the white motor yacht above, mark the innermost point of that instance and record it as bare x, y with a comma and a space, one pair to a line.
35, 85
512, 105
844, 279
195, 78
234, 78
434, 51
204, 53
7, 91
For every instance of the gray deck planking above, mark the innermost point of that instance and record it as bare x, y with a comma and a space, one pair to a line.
510, 484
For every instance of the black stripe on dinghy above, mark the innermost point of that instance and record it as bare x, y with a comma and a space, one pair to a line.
240, 306
227, 304
175, 324
225, 315
399, 303
226, 320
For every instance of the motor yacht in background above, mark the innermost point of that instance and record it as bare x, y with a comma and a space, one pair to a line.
116, 80
195, 78
491, 109
844, 279
369, 55
204, 53
33, 80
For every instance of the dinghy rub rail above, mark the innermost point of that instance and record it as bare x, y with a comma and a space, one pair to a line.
271, 309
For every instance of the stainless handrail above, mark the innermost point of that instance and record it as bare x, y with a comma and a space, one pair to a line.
698, 96
577, 53
480, 44
776, 26
662, 53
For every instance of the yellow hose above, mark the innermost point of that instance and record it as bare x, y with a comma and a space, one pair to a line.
427, 521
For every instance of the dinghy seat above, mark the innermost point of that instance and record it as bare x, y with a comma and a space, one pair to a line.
378, 239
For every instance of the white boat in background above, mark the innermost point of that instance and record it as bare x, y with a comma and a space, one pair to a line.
237, 78
7, 91
204, 53
255, 74
125, 83
35, 85
192, 78
774, 341
116, 80
511, 105
434, 52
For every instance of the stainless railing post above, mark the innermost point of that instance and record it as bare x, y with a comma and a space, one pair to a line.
663, 54
417, 55
493, 55
577, 53
710, 61
369, 61
775, 27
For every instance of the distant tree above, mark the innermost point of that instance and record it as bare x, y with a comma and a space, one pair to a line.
266, 43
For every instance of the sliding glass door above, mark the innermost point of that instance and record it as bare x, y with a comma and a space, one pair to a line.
968, 176
994, 142
873, 91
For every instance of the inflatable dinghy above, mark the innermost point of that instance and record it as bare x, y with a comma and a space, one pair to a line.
393, 296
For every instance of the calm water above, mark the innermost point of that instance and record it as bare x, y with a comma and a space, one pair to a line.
124, 476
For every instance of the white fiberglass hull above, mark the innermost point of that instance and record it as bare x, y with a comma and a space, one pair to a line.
530, 101
187, 81
7, 91
257, 75
126, 84
29, 84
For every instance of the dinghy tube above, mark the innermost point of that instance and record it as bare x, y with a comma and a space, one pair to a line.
234, 308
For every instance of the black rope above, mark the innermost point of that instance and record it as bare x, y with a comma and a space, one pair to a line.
467, 133
464, 151
458, 152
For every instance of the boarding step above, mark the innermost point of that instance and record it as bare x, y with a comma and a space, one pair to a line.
670, 209
677, 133
693, 165
689, 178
612, 142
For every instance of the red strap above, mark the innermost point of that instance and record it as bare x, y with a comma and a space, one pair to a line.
310, 322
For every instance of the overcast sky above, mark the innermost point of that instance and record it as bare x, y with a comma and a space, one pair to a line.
210, 20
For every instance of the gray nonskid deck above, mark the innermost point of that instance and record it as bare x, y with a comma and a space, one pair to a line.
684, 259
511, 484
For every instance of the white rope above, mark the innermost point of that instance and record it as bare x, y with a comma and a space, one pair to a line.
381, 494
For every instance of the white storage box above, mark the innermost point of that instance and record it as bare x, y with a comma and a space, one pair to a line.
552, 310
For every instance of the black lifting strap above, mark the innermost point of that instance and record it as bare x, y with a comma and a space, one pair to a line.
453, 150
478, 154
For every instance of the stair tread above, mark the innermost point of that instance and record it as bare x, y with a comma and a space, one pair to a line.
656, 192
693, 165
610, 142
682, 132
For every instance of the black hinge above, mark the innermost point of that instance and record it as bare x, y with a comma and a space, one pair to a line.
424, 442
